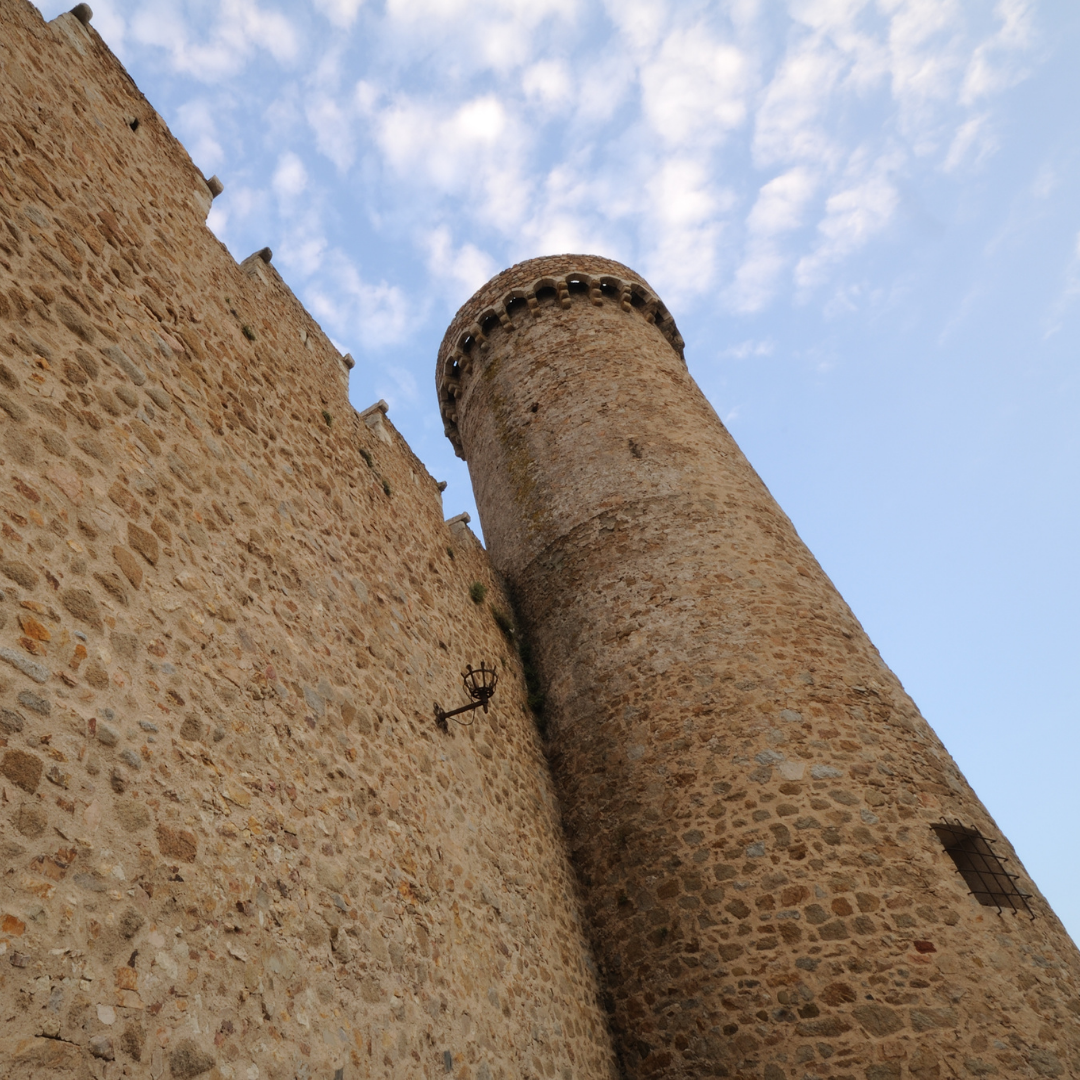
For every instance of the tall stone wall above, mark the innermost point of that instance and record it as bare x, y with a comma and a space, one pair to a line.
748, 792
233, 843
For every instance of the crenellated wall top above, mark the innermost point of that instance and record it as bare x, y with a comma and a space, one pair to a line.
522, 292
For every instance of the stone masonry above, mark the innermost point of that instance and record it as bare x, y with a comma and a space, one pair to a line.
748, 794
233, 844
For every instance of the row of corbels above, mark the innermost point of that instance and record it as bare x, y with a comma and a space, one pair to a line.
627, 294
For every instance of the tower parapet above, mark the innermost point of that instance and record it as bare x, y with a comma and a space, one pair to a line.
506, 298
785, 874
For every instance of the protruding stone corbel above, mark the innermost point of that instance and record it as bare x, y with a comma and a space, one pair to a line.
595, 295
348, 361
84, 13
375, 412
562, 291
263, 253
373, 417
214, 184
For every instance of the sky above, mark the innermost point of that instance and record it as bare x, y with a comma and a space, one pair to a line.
863, 215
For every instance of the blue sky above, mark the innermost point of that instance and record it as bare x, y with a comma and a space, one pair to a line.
863, 215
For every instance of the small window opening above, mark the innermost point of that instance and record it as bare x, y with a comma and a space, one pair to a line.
637, 300
489, 324
576, 285
467, 344
519, 303
134, 124
609, 290
982, 869
547, 292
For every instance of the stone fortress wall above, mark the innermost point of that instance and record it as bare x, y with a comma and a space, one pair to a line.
233, 843
748, 794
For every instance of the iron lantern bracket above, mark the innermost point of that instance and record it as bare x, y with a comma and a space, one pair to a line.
480, 685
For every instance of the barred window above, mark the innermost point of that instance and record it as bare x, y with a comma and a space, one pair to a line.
981, 867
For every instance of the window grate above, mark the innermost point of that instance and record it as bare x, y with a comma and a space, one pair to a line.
981, 867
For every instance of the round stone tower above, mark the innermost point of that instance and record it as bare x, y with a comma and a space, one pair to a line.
784, 872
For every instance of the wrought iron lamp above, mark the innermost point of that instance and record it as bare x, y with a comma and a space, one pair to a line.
480, 684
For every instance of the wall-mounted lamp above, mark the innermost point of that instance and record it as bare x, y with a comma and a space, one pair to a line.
480, 684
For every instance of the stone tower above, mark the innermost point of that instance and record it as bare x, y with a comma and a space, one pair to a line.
784, 873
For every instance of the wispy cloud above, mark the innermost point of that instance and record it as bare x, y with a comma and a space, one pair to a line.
373, 312
730, 151
215, 48
749, 348
695, 89
290, 176
459, 271
852, 218
780, 208
342, 13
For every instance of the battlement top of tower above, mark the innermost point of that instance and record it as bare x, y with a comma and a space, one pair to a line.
522, 291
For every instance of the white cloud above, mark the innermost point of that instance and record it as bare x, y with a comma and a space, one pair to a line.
199, 129
757, 278
333, 128
342, 13
746, 349
688, 206
684, 262
789, 126
477, 12
460, 271
972, 144
997, 63
474, 153
640, 22
926, 50
303, 252
780, 208
606, 82
696, 88
375, 313
852, 217
1046, 182
217, 221
290, 176
240, 28
558, 232
782, 202
109, 23
488, 35
443, 150
683, 193
547, 83
503, 122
